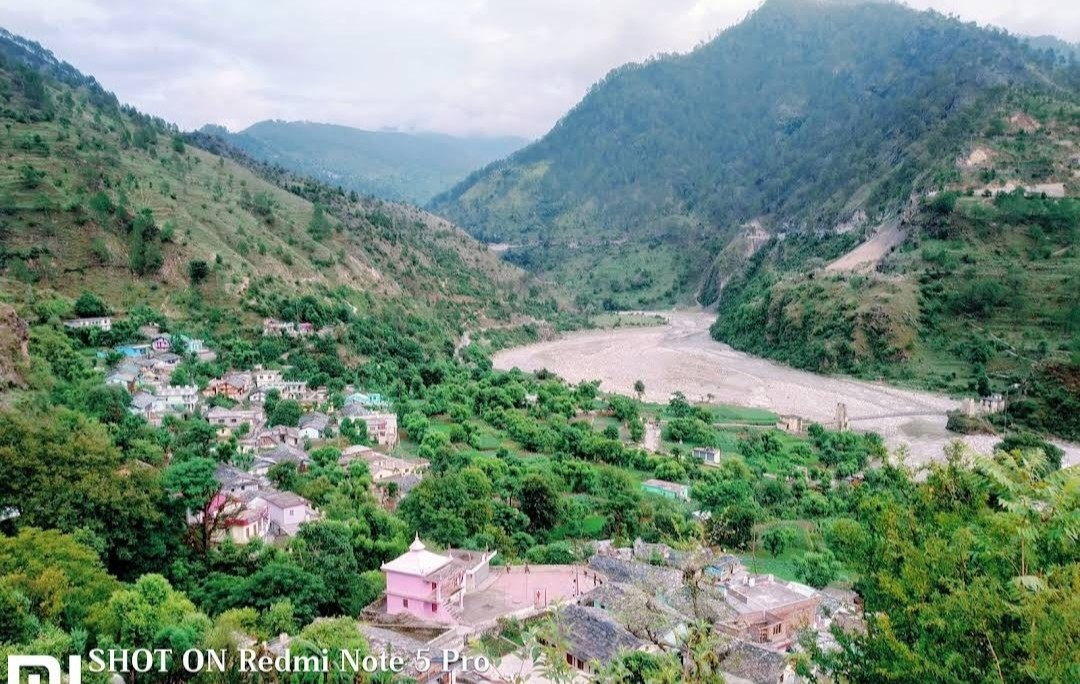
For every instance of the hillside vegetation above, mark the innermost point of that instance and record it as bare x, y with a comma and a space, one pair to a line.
980, 297
409, 167
97, 197
795, 119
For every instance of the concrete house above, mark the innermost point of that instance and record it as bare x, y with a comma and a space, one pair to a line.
268, 438
266, 378
770, 612
283, 453
234, 481
382, 428
287, 511
432, 586
707, 455
180, 398
233, 418
252, 521
314, 425
234, 386
382, 466
669, 490
368, 400
103, 323
791, 424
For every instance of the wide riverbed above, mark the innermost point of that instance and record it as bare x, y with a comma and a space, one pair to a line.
680, 356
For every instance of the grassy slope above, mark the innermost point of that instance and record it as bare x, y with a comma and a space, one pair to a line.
54, 240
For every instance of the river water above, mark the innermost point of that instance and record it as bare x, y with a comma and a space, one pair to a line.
681, 356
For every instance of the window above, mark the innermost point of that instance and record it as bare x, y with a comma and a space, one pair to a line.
763, 634
434, 608
434, 586
777, 628
404, 603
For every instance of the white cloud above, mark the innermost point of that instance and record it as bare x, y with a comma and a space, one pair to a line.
468, 66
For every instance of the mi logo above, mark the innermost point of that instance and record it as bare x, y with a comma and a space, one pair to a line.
16, 663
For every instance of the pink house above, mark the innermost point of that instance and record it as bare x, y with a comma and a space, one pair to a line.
431, 586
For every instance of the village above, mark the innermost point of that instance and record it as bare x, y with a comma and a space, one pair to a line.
248, 504
633, 597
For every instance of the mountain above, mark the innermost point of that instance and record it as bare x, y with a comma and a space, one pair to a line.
1065, 50
796, 119
410, 167
97, 197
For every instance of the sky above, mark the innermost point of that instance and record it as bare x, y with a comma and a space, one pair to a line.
464, 67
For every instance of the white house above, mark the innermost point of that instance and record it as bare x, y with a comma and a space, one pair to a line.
99, 322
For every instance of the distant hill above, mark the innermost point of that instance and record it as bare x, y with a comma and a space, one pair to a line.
410, 167
1064, 49
793, 120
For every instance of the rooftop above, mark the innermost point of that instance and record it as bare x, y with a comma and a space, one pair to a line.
664, 484
417, 561
285, 499
760, 593
745, 662
593, 635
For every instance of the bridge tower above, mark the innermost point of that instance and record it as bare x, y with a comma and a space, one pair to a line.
842, 424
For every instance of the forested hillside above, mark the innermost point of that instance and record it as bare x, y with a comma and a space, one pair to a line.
977, 296
793, 119
409, 167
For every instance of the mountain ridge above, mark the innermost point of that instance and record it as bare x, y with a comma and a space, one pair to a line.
797, 117
394, 165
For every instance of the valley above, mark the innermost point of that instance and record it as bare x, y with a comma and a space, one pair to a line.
681, 356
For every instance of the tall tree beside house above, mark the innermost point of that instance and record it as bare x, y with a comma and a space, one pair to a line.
193, 483
89, 305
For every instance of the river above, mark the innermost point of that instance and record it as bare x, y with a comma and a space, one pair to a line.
681, 356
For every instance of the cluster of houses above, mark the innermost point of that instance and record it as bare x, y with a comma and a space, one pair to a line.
644, 597
249, 508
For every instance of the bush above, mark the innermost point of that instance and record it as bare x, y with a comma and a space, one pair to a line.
817, 568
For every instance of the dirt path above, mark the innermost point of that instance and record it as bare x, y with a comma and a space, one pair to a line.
680, 356
867, 255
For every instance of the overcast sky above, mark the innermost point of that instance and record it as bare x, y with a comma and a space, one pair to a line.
457, 66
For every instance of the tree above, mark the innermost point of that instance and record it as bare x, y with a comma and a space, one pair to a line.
61, 470
733, 527
63, 579
152, 614
108, 403
817, 568
286, 412
89, 305
194, 484
539, 500
319, 226
30, 177
198, 271
332, 637
639, 388
777, 539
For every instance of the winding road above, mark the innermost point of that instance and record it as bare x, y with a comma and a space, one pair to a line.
681, 356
